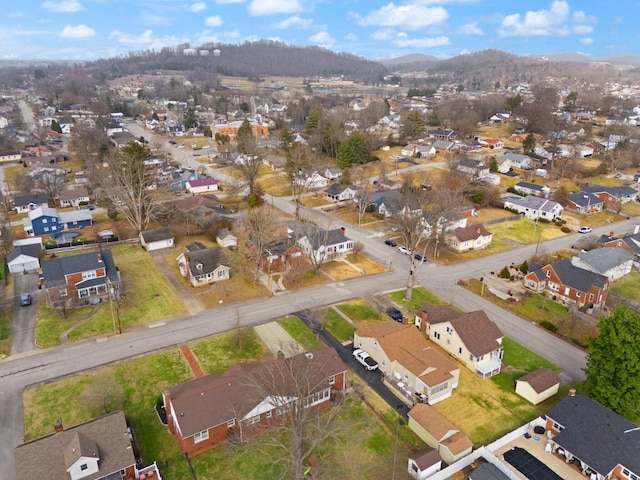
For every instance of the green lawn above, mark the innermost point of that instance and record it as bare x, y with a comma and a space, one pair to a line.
217, 354
148, 297
523, 232
358, 311
418, 297
627, 286
300, 332
337, 326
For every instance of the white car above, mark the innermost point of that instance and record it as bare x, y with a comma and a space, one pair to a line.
585, 230
403, 249
365, 359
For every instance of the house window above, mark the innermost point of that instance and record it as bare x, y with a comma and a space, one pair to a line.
63, 292
554, 286
268, 414
89, 274
436, 335
231, 423
548, 273
449, 330
471, 357
253, 420
567, 291
201, 436
439, 388
221, 274
44, 220
629, 474
332, 380
84, 466
591, 297
578, 294
460, 350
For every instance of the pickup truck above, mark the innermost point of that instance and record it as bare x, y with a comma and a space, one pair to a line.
365, 359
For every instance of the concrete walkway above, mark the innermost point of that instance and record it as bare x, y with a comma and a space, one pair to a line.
277, 339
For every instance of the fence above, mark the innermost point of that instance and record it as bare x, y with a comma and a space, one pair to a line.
509, 218
86, 245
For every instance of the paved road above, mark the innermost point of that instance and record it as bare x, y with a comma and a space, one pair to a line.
24, 318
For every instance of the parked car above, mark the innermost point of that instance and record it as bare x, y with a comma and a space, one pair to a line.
365, 359
172, 142
585, 230
403, 249
391, 243
25, 299
87, 207
394, 313
420, 258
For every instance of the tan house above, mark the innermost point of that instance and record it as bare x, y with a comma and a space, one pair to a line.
472, 337
538, 385
411, 366
439, 433
471, 237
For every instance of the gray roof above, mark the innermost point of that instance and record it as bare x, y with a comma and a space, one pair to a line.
584, 199
617, 192
29, 250
210, 259
534, 203
577, 277
442, 144
73, 193
516, 157
52, 455
75, 216
596, 435
157, 235
318, 236
530, 186
37, 199
487, 471
604, 259
54, 270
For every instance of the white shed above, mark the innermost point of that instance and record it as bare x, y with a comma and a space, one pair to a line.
538, 385
157, 239
24, 258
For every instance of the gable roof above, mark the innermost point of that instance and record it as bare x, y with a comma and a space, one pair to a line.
426, 457
584, 199
318, 236
540, 379
24, 200
596, 435
214, 399
73, 193
478, 332
535, 203
530, 186
439, 427
55, 270
42, 211
157, 235
577, 277
405, 344
31, 250
202, 182
604, 259
617, 192
210, 259
470, 232
50, 456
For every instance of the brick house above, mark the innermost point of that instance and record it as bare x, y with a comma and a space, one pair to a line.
250, 398
568, 284
277, 255
473, 338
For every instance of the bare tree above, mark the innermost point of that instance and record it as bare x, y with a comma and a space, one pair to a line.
104, 393
50, 183
297, 162
262, 225
313, 240
24, 183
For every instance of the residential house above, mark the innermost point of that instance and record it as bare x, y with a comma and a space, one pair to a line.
202, 185
584, 203
311, 180
203, 266
472, 337
493, 143
409, 150
630, 242
475, 169
504, 163
410, 364
275, 162
99, 449
340, 193
81, 276
471, 237
157, 239
596, 439
518, 160
445, 223
442, 134
25, 203
534, 207
526, 188
10, 156
443, 146
500, 117
613, 263
332, 173
73, 197
538, 385
568, 284
249, 398
320, 244
392, 202
583, 151
48, 221
226, 239
24, 258
424, 463
277, 255
618, 195
439, 433
387, 184
178, 179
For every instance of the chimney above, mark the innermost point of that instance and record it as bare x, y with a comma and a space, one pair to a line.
100, 257
342, 230
611, 233
280, 355
57, 425
572, 392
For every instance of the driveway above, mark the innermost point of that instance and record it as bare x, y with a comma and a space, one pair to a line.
189, 297
24, 318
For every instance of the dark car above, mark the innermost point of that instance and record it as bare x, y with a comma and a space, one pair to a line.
420, 258
391, 243
394, 313
25, 299
172, 142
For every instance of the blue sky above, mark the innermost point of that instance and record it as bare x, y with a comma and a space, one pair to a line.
90, 29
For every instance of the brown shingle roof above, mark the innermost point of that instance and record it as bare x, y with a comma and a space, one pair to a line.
445, 432
437, 313
406, 345
470, 232
541, 379
49, 457
213, 400
479, 333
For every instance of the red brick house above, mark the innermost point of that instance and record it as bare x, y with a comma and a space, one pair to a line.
251, 397
568, 284
278, 255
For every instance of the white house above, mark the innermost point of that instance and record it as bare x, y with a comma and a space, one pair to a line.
320, 244
612, 262
534, 207
202, 185
157, 239
226, 239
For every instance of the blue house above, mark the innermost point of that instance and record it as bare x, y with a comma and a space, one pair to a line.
47, 221
179, 179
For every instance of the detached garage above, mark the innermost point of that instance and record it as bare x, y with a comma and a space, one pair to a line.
538, 385
24, 258
157, 239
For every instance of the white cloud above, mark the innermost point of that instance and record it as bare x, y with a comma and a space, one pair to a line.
207, 36
550, 22
294, 22
79, 31
582, 29
351, 37
155, 20
271, 7
385, 34
323, 39
471, 29
224, 2
69, 6
214, 21
197, 7
586, 41
427, 42
581, 17
406, 16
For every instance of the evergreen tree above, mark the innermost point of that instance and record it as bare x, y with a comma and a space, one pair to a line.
190, 119
353, 151
313, 121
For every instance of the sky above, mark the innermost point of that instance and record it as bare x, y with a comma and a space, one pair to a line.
91, 29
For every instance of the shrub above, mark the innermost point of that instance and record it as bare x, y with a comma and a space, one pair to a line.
524, 267
504, 273
543, 220
549, 326
565, 229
